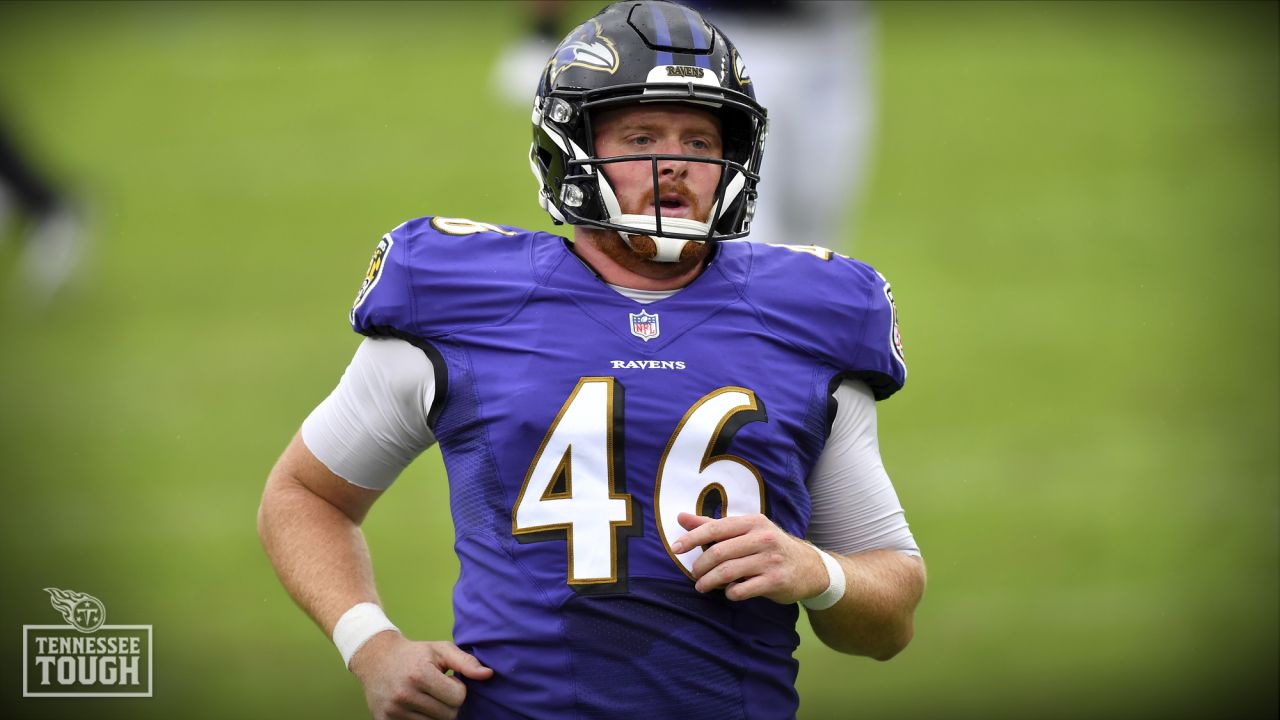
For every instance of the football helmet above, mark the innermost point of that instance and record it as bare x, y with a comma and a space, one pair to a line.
641, 52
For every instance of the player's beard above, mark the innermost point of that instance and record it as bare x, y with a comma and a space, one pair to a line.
644, 247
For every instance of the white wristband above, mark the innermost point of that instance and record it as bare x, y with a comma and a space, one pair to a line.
835, 585
357, 626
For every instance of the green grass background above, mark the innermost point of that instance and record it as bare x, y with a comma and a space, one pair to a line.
1077, 204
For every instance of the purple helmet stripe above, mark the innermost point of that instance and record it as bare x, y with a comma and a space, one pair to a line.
698, 30
664, 35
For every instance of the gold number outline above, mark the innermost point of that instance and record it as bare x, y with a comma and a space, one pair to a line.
734, 420
463, 226
544, 533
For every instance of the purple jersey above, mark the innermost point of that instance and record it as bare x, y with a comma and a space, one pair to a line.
576, 424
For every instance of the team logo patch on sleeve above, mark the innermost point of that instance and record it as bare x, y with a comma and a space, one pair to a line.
896, 335
374, 272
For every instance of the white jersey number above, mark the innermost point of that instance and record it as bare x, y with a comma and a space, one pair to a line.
691, 470
570, 485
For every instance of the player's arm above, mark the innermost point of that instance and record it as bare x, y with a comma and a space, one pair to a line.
752, 557
309, 522
369, 429
876, 616
856, 518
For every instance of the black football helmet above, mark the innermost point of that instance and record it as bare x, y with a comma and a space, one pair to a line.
639, 52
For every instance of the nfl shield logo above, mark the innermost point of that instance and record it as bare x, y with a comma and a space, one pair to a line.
644, 325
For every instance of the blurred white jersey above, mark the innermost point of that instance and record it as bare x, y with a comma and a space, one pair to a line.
813, 70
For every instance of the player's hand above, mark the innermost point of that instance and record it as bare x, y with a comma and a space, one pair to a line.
406, 679
751, 557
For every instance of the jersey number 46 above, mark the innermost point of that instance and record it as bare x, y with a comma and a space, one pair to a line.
570, 488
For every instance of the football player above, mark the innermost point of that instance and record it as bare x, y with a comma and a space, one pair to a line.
53, 235
659, 445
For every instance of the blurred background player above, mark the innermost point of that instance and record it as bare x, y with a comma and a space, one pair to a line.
51, 233
817, 158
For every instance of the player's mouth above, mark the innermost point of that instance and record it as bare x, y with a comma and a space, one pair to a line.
672, 205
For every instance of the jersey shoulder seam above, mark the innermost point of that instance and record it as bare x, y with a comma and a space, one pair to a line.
515, 309
755, 309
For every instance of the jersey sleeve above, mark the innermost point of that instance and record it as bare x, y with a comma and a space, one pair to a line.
434, 275
384, 300
839, 309
375, 422
855, 507
878, 358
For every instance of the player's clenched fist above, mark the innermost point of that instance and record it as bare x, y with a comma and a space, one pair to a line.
751, 557
403, 678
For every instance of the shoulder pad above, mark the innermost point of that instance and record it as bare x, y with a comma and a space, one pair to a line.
434, 275
837, 308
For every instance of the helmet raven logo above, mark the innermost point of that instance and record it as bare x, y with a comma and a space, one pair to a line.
585, 48
740, 69
83, 611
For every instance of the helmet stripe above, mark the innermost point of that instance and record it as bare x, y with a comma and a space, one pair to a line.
698, 30
664, 35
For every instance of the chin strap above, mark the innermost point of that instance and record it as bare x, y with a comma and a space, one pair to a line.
668, 248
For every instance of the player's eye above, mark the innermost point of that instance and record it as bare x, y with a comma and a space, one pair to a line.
641, 140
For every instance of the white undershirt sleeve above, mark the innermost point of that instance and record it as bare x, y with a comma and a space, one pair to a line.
854, 506
375, 422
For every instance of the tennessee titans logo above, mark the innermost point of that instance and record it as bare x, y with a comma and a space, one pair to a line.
644, 325
82, 611
585, 48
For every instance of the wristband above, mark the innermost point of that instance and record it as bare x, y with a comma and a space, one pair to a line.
357, 626
835, 586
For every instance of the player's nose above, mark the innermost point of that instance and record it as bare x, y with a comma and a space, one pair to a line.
669, 168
